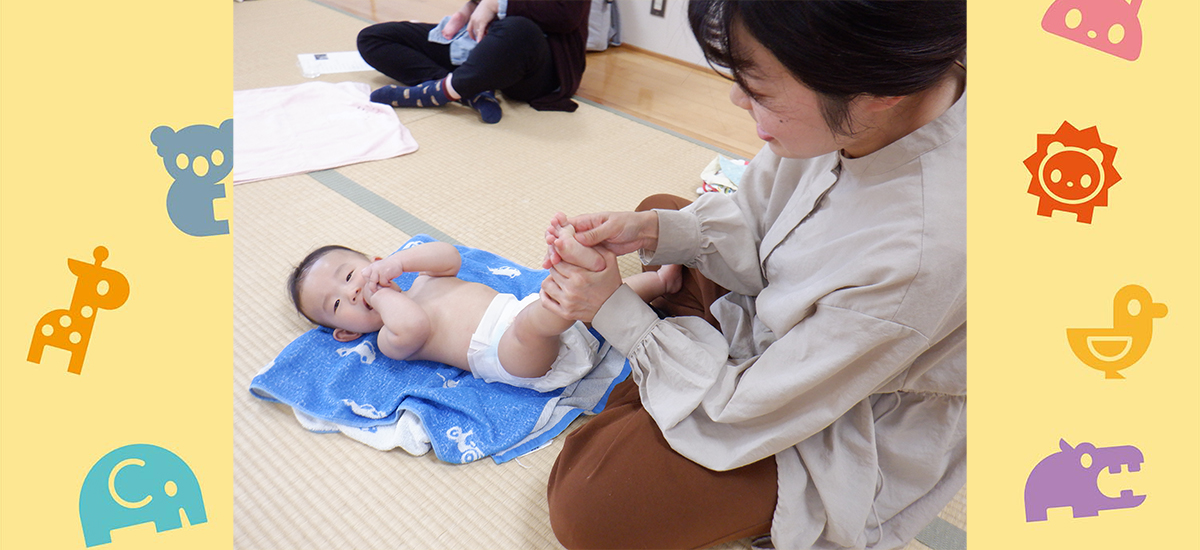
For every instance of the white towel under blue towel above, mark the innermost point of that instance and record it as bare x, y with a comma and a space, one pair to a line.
353, 388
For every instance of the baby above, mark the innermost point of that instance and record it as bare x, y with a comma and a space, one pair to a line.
442, 318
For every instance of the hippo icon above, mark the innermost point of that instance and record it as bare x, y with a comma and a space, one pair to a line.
137, 484
1068, 478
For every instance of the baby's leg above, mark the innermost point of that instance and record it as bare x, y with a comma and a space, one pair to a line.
530, 345
651, 284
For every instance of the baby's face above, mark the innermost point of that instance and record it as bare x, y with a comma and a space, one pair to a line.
332, 293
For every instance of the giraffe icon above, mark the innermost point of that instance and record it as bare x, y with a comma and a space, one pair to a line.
70, 329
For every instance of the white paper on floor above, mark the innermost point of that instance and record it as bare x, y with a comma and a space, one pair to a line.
313, 65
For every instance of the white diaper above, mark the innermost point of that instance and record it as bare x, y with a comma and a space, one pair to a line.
577, 353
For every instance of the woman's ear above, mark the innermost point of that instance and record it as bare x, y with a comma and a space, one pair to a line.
343, 335
875, 104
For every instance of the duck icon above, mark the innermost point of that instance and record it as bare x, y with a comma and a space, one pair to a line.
1119, 347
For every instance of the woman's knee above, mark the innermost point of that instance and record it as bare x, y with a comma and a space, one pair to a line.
662, 201
392, 32
576, 515
371, 36
517, 27
518, 36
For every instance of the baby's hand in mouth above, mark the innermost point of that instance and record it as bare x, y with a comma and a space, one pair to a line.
368, 292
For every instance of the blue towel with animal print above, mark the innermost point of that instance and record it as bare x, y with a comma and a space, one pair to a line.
352, 386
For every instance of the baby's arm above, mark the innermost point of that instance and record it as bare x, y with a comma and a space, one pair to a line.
405, 324
436, 259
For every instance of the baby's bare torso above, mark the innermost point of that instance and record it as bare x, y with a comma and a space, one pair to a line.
454, 308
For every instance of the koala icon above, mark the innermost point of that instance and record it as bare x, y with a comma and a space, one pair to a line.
197, 157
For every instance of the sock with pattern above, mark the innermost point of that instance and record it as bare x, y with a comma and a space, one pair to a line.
487, 105
425, 94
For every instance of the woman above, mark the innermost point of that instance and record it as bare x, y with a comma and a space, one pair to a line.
533, 51
826, 404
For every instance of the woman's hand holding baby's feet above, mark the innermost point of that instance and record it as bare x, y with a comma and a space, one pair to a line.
583, 256
671, 276
552, 233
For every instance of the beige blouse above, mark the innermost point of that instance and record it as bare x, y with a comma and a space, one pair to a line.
843, 352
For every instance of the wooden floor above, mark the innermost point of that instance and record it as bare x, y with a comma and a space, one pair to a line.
679, 97
690, 100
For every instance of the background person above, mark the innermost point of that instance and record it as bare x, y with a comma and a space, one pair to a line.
533, 51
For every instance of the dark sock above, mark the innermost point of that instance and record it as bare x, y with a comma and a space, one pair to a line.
487, 105
425, 94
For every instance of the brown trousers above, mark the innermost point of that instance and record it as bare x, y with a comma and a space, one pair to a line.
618, 484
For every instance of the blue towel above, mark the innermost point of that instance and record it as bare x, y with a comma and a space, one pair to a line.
480, 266
352, 384
732, 170
460, 45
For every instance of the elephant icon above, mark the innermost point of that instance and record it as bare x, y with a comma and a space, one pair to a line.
137, 484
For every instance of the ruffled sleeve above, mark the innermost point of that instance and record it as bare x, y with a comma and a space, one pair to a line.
715, 410
719, 243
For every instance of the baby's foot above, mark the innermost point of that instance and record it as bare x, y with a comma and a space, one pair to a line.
576, 253
671, 276
552, 231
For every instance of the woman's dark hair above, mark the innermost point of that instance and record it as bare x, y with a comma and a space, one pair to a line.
840, 49
297, 277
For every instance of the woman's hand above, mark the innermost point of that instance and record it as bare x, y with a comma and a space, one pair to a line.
619, 232
561, 236
485, 12
573, 292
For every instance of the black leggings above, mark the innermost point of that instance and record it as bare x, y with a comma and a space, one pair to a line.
513, 58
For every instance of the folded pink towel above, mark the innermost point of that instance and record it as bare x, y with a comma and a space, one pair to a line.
312, 126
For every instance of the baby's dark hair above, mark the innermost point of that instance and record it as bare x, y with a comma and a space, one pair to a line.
840, 49
297, 277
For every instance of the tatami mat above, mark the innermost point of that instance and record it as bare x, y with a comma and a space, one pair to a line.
491, 187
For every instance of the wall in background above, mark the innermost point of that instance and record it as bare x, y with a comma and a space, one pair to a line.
669, 35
